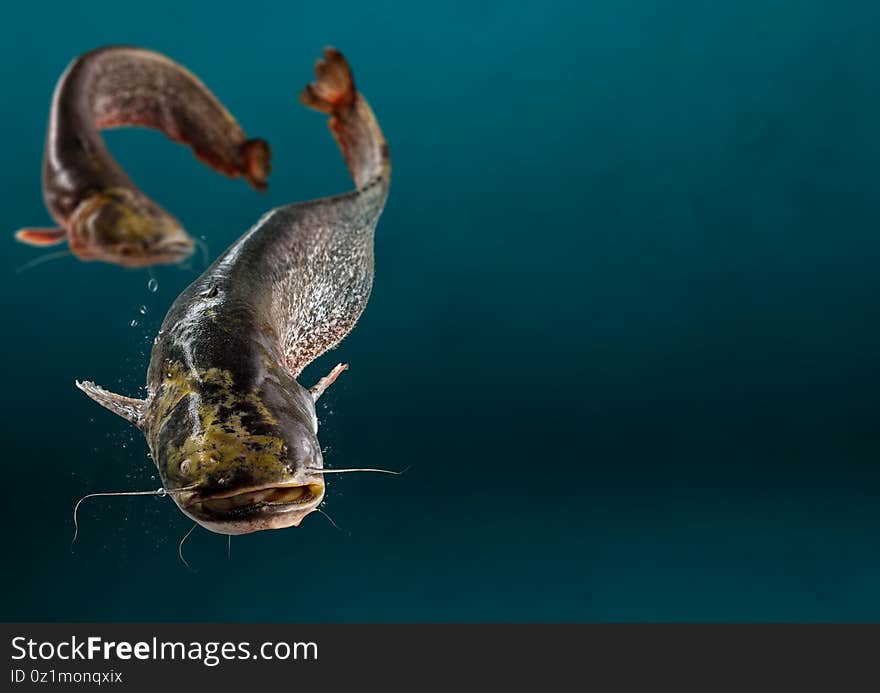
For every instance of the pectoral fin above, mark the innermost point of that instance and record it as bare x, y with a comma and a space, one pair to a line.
327, 380
40, 237
128, 408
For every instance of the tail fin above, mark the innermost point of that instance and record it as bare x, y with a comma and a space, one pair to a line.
257, 165
351, 120
334, 92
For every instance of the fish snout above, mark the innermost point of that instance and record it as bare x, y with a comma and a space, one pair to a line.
126, 228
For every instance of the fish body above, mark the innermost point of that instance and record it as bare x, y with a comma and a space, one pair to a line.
225, 417
99, 209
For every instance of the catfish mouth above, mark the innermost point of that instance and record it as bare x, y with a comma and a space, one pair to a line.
137, 254
165, 252
239, 505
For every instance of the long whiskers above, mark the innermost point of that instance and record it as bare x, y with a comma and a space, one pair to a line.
161, 492
325, 514
180, 546
203, 249
319, 470
185, 266
41, 259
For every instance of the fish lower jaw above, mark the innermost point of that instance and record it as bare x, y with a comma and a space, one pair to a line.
275, 496
256, 509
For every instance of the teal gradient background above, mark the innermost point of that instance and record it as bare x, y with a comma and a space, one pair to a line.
624, 326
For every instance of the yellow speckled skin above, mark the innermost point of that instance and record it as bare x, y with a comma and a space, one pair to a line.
221, 440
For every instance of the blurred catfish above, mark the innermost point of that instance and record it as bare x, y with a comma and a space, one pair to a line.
99, 210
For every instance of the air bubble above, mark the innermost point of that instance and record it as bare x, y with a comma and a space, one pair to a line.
142, 310
152, 285
134, 323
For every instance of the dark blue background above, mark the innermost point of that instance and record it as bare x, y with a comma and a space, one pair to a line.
624, 326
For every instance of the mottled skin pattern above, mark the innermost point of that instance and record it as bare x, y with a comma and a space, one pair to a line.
99, 209
225, 417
